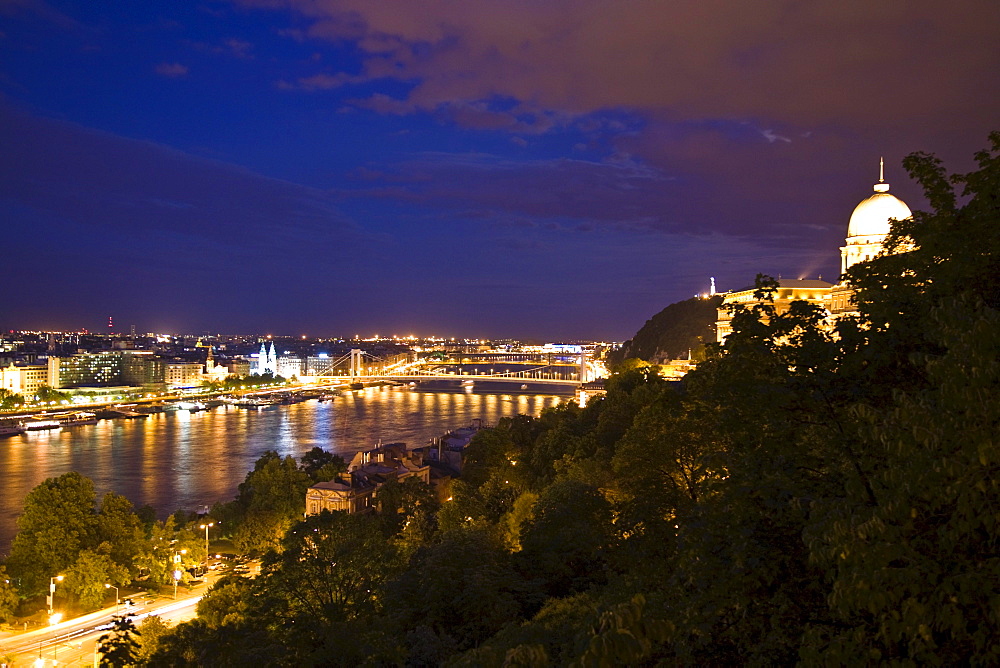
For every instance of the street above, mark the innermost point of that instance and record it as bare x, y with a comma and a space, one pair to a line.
73, 642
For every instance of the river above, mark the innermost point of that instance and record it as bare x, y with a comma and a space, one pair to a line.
183, 460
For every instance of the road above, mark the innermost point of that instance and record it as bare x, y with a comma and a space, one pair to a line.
72, 642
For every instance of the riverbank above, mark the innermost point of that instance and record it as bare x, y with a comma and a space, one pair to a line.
187, 460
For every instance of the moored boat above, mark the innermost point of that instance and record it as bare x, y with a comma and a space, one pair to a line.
11, 429
41, 424
77, 419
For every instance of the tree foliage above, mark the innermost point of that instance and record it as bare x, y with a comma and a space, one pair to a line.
8, 596
57, 522
119, 647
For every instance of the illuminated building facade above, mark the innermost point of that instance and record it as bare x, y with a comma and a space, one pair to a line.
266, 361
866, 232
139, 368
184, 374
789, 290
356, 489
24, 379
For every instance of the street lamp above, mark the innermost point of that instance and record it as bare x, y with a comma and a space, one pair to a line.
205, 527
52, 591
117, 598
177, 569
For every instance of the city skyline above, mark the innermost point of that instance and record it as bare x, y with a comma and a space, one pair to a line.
533, 170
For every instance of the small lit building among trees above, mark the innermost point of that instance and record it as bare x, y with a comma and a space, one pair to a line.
356, 489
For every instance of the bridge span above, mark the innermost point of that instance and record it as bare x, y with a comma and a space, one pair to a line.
360, 365
409, 377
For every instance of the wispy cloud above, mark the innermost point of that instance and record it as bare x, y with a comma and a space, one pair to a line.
171, 70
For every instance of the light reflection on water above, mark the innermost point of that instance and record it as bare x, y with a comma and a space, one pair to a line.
186, 460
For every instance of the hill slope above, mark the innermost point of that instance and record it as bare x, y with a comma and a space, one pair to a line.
672, 332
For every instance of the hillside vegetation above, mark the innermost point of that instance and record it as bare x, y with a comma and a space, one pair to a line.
679, 329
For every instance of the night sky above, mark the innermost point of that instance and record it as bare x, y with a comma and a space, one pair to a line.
464, 168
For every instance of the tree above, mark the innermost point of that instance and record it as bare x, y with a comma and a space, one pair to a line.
331, 568
120, 646
9, 599
88, 575
9, 400
226, 603
119, 527
915, 574
674, 332
260, 531
566, 540
151, 631
321, 465
46, 394
277, 485
400, 500
461, 590
522, 510
57, 522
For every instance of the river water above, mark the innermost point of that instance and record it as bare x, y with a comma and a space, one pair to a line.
183, 460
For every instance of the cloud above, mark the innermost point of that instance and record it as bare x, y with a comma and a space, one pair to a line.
171, 70
848, 62
320, 81
771, 137
240, 48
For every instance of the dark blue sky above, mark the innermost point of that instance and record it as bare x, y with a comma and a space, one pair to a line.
553, 169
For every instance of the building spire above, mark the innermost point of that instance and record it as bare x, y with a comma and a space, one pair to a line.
881, 186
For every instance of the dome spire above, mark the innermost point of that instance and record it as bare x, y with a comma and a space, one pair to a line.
881, 186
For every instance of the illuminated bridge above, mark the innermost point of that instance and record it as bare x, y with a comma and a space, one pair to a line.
546, 368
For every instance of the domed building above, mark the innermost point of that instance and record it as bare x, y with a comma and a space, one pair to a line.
866, 232
870, 224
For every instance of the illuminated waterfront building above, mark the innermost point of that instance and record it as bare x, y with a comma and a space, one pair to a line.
138, 368
184, 374
24, 379
266, 361
214, 372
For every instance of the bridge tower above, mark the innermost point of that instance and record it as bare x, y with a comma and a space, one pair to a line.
356, 362
583, 366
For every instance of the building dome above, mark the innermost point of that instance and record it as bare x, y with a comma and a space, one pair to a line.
871, 217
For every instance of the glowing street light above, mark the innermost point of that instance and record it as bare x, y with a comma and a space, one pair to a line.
206, 527
52, 591
177, 569
117, 598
